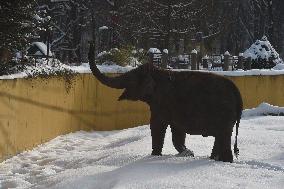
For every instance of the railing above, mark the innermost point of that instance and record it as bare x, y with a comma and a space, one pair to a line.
224, 62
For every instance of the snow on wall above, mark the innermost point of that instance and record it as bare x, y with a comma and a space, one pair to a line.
84, 68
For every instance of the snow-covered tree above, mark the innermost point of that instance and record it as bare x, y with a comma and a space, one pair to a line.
247, 21
62, 26
74, 24
164, 20
16, 23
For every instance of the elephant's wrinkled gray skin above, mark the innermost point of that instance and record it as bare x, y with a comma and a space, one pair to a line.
192, 102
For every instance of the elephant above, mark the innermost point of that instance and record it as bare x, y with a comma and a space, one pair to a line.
190, 102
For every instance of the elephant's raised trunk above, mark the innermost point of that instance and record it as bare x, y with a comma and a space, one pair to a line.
113, 82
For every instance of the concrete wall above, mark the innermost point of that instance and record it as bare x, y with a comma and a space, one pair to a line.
33, 111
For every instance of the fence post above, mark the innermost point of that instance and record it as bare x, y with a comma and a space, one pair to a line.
205, 62
241, 61
151, 58
165, 58
193, 59
226, 60
248, 63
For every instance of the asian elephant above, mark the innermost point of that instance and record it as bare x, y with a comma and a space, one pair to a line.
192, 102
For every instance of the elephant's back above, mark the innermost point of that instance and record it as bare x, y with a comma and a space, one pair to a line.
206, 100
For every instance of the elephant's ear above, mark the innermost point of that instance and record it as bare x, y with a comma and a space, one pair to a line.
148, 86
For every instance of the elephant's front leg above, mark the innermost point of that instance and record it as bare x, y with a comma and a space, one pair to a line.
158, 131
178, 138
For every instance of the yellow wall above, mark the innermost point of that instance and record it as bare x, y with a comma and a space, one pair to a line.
258, 89
33, 111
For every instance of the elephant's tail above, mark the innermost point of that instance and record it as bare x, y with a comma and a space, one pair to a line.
239, 110
236, 149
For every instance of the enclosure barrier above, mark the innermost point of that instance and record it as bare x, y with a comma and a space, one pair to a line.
33, 111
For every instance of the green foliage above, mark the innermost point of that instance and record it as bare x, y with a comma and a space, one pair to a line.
122, 56
62, 73
126, 55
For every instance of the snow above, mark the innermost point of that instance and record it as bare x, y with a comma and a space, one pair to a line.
120, 159
103, 28
262, 49
264, 109
279, 66
103, 53
154, 50
227, 53
105, 68
42, 47
37, 17
166, 51
253, 72
194, 51
84, 68
207, 57
113, 68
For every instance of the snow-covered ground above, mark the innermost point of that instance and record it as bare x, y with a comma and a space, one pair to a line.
120, 159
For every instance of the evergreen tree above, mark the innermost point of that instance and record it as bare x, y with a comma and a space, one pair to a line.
16, 23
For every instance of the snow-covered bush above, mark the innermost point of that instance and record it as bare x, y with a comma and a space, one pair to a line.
35, 68
263, 55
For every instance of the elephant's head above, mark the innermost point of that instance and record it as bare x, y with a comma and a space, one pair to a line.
138, 83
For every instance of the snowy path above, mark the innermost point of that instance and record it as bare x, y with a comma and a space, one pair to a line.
120, 159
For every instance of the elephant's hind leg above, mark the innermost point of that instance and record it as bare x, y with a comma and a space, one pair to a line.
216, 148
222, 148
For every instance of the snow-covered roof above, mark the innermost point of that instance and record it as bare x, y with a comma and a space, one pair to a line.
262, 49
103, 28
154, 50
194, 51
227, 53
41, 47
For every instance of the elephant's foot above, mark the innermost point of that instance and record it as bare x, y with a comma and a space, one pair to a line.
156, 153
186, 153
225, 157
213, 154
